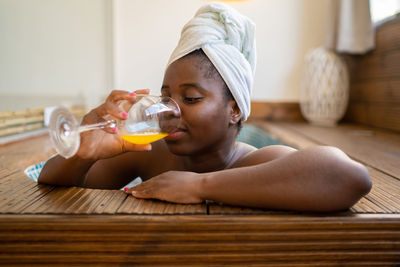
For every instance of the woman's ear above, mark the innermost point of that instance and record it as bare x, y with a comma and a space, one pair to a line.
235, 113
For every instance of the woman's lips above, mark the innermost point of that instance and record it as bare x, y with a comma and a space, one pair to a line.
175, 135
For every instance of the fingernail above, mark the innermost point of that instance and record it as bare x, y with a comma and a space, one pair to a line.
126, 188
132, 94
125, 114
114, 129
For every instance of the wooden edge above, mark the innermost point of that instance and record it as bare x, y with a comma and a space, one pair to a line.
206, 219
275, 111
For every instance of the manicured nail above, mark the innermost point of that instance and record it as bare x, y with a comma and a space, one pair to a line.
114, 129
132, 94
126, 188
125, 114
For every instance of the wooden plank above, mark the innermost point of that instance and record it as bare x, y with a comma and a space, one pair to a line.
15, 129
373, 147
377, 66
18, 205
387, 36
21, 113
171, 247
93, 201
288, 137
132, 205
338, 257
19, 193
178, 239
385, 116
275, 111
385, 91
220, 208
19, 155
47, 201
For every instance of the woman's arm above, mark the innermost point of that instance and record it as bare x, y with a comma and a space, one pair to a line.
313, 179
97, 147
62, 172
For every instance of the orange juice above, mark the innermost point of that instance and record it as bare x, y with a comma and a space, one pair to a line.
144, 138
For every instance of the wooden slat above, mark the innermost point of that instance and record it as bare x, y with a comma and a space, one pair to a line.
288, 137
288, 239
385, 91
172, 247
19, 192
76, 200
275, 111
385, 116
19, 155
215, 208
387, 36
250, 258
15, 129
377, 66
375, 84
21, 113
132, 205
358, 142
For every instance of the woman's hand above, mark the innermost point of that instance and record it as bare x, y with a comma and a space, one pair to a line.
106, 143
173, 186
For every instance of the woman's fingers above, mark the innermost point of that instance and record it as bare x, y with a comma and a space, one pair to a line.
147, 193
127, 146
143, 190
143, 91
109, 108
118, 95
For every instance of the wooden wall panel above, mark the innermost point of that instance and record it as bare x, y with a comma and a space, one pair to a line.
275, 111
375, 81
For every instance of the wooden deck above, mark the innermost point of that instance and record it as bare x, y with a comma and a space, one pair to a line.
55, 225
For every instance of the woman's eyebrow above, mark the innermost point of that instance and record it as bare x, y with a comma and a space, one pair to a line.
192, 85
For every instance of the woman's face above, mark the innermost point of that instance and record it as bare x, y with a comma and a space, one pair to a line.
205, 108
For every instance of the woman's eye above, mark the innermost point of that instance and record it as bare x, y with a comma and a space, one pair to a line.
192, 100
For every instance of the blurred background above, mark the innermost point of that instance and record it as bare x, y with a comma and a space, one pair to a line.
74, 52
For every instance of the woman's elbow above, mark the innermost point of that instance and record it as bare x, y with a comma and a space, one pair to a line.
352, 178
345, 180
360, 183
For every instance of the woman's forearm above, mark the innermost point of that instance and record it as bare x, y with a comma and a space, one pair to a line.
314, 179
65, 172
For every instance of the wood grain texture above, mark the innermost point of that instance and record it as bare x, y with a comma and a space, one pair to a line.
243, 240
48, 225
375, 81
371, 146
385, 115
275, 111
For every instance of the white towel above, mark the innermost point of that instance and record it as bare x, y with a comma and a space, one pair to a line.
227, 38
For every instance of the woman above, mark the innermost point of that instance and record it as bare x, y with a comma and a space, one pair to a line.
210, 76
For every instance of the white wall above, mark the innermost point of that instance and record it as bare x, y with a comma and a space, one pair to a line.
146, 32
55, 51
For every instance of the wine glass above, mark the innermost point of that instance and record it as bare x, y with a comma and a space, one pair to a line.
149, 119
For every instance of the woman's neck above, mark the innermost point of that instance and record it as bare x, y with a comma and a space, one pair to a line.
213, 161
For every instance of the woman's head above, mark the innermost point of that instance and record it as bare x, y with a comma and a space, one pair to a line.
227, 38
210, 115
210, 74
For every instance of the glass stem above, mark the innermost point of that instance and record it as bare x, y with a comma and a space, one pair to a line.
100, 125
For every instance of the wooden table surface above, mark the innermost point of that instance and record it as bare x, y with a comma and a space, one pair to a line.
47, 225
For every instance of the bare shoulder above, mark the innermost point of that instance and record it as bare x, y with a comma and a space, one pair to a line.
256, 156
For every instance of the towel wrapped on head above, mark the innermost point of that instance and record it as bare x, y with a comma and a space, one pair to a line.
227, 38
